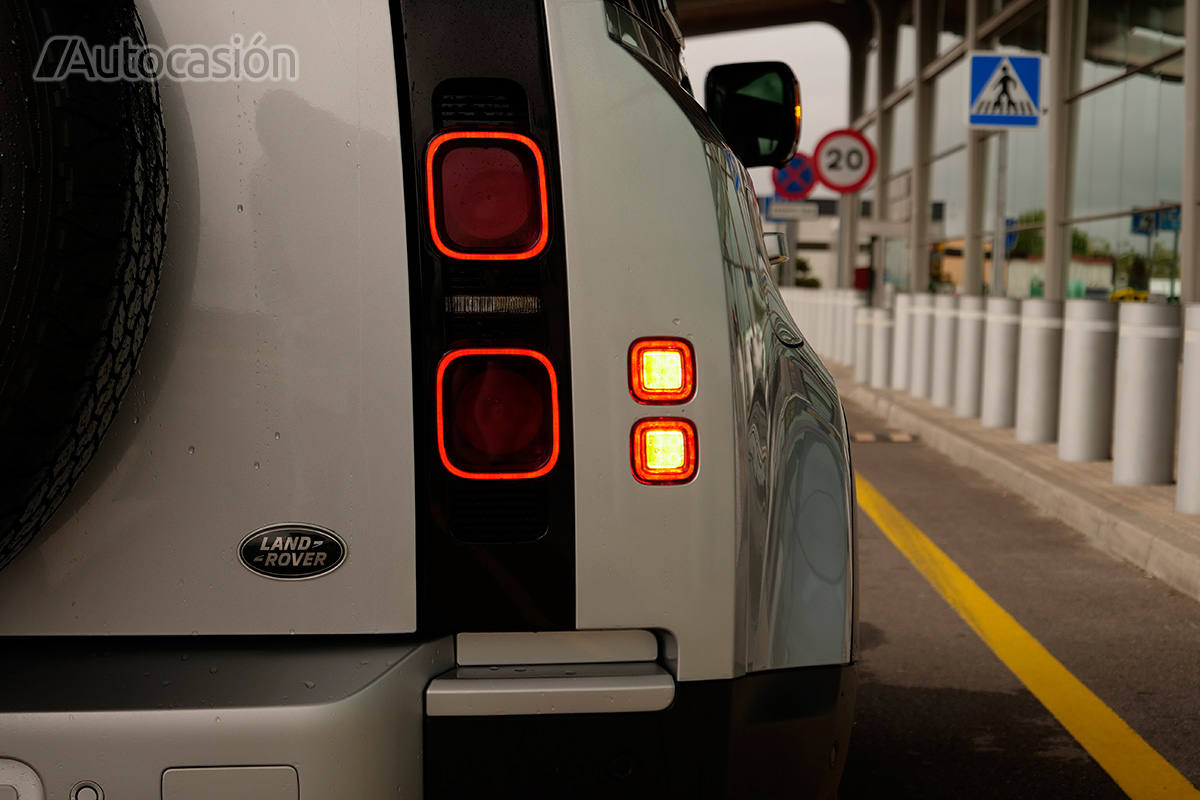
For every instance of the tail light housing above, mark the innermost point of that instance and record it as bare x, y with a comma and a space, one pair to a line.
662, 371
664, 450
497, 414
487, 196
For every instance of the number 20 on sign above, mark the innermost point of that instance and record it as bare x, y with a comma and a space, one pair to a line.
845, 160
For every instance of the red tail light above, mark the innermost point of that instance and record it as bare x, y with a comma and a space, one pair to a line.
664, 450
487, 196
497, 414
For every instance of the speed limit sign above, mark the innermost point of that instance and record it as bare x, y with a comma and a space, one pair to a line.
845, 160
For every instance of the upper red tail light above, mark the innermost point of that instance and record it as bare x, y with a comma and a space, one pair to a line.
487, 198
497, 413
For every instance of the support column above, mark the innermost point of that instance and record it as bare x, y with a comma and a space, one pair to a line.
925, 23
1189, 239
976, 182
850, 205
1058, 84
885, 82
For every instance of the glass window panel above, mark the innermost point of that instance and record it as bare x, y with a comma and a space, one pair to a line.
1128, 33
950, 107
952, 23
1025, 265
906, 54
895, 262
871, 90
1027, 34
902, 135
868, 193
948, 186
1107, 255
1128, 146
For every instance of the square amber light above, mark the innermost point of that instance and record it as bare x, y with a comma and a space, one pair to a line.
662, 371
664, 450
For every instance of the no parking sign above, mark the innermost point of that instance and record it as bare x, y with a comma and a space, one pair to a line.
797, 180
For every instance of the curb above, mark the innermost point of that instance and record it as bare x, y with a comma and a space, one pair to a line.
1172, 556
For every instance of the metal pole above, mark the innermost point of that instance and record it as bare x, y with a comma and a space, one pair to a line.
1147, 382
976, 180
1060, 73
1085, 407
1039, 365
1189, 213
1000, 223
925, 23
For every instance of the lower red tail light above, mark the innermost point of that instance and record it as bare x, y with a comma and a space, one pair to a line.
487, 196
497, 413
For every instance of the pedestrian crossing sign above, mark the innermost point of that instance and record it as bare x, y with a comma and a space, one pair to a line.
1005, 90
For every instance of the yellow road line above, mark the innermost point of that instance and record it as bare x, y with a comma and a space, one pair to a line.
1136, 767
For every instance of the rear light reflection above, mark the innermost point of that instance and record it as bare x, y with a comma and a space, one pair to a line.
487, 196
662, 371
664, 450
497, 414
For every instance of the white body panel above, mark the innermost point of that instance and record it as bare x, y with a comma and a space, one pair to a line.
276, 382
639, 218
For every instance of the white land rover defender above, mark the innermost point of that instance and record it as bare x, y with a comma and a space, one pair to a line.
396, 401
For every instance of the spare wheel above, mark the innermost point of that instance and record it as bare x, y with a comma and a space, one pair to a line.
83, 201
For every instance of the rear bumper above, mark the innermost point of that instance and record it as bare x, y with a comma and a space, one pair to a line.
767, 735
176, 719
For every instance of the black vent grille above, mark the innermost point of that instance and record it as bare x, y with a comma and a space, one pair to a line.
480, 101
498, 511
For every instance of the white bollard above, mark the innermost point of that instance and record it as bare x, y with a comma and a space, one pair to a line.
920, 364
862, 344
881, 348
968, 369
945, 345
1038, 369
1085, 406
1001, 343
854, 301
902, 342
1147, 382
1187, 492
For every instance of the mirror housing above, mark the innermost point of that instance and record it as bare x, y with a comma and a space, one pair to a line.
756, 107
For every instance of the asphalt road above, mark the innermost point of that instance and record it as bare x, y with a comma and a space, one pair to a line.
939, 715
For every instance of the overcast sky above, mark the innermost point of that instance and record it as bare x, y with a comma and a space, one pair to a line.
818, 55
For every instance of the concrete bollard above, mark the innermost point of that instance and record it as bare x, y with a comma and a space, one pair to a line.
1039, 365
1187, 492
968, 368
920, 366
862, 345
1147, 381
881, 348
854, 301
901, 342
945, 345
1085, 406
1001, 342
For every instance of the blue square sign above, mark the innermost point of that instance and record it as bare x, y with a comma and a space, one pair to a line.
1005, 90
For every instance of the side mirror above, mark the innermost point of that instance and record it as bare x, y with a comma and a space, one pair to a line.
756, 107
777, 249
